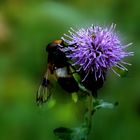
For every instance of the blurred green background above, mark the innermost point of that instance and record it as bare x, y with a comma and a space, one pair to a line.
26, 26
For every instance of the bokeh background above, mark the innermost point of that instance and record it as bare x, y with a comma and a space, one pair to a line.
26, 26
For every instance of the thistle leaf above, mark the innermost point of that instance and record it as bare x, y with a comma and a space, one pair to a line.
97, 104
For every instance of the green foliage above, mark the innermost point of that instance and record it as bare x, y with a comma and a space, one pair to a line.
75, 97
81, 132
99, 103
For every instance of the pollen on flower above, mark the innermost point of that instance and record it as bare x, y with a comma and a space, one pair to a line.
95, 50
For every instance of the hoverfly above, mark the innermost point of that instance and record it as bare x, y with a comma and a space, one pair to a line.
58, 66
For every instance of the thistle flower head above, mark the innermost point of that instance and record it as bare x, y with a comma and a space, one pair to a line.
95, 50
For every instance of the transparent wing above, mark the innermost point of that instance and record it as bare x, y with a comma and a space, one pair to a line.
43, 93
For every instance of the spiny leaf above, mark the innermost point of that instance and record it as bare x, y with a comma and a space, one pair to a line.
97, 104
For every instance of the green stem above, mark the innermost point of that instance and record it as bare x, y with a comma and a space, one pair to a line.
90, 109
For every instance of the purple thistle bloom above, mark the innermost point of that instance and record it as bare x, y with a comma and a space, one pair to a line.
95, 50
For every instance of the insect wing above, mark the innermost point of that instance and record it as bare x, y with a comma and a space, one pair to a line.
43, 93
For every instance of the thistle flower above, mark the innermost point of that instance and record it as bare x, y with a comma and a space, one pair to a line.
95, 50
